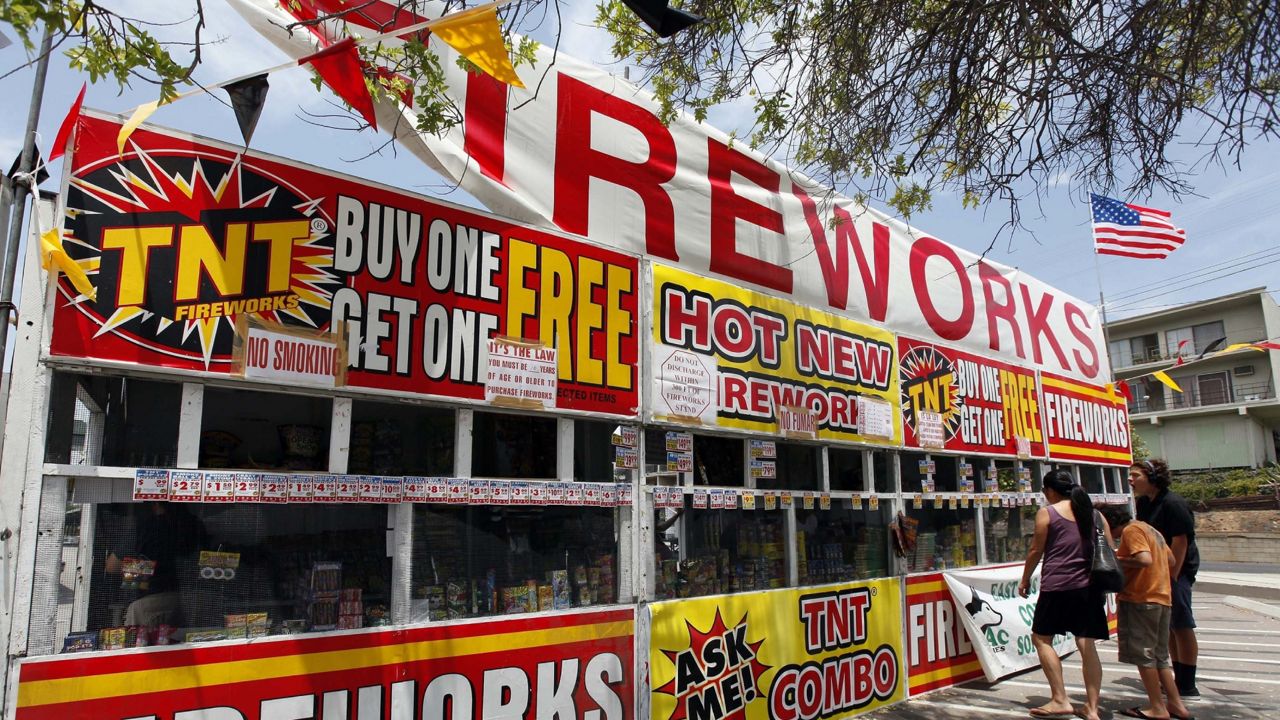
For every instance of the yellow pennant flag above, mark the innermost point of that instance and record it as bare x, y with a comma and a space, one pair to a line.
52, 255
1163, 377
1238, 346
477, 36
139, 116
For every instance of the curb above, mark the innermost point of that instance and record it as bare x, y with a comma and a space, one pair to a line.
1252, 606
1238, 591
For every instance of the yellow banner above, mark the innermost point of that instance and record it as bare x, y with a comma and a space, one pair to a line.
824, 652
729, 357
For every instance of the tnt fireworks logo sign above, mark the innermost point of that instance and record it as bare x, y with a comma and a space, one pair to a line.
180, 242
718, 675
928, 384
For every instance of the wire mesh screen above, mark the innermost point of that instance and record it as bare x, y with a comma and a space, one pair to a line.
170, 572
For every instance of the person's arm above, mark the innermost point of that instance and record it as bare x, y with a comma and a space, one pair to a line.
1136, 560
1036, 552
1179, 548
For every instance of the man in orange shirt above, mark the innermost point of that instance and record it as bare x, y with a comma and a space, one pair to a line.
1143, 611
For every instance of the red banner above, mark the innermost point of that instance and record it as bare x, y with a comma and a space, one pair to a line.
983, 406
181, 236
567, 665
1085, 422
939, 653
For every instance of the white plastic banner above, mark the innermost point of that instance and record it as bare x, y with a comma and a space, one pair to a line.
997, 620
585, 151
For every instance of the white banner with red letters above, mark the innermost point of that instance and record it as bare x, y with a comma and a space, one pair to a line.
585, 151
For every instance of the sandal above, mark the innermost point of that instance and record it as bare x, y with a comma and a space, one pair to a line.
1050, 715
1136, 712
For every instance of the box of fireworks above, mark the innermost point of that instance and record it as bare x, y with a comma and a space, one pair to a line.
436, 607
562, 594
293, 627
546, 598
323, 614
237, 633
351, 607
509, 600
351, 595
135, 573
205, 635
350, 622
235, 621
80, 642
257, 624
376, 615
113, 638
531, 595
593, 576
455, 600
325, 579
580, 575
585, 596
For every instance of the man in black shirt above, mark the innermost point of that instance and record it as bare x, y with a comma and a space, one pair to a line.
1167, 512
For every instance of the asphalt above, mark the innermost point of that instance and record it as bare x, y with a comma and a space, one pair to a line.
1239, 635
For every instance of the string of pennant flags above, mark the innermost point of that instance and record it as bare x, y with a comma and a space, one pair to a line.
1122, 386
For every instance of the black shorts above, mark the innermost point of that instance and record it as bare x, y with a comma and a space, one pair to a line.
1081, 612
1182, 617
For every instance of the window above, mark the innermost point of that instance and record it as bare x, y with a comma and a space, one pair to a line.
1174, 338
944, 529
1214, 388
473, 561
708, 552
105, 420
1008, 532
1135, 350
593, 451
400, 439
843, 543
846, 469
1198, 338
1092, 479
264, 431
799, 468
167, 573
513, 446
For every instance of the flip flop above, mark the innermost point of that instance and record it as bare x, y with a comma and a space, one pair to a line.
1047, 715
1136, 712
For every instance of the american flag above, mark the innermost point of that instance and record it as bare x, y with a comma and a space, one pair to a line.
1128, 230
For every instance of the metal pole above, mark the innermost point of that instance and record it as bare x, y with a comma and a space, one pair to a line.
20, 193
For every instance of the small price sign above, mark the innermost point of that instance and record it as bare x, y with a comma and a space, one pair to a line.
274, 488
186, 486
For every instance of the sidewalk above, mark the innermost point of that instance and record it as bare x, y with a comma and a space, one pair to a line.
1258, 582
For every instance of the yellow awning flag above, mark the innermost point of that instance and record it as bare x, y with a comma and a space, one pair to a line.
1237, 346
477, 36
140, 115
52, 255
1163, 377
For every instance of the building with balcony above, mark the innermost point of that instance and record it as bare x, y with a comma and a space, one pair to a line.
1227, 414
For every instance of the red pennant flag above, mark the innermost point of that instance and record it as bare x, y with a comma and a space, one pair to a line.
1123, 387
1179, 362
340, 67
1267, 345
68, 124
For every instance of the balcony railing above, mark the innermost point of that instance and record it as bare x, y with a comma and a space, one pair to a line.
1157, 354
1193, 397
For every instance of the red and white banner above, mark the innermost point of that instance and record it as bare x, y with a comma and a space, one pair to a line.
585, 151
569, 665
182, 237
985, 405
1085, 422
939, 653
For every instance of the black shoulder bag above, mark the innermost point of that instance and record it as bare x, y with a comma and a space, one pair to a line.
1106, 574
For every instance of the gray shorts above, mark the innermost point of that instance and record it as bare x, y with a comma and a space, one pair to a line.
1142, 634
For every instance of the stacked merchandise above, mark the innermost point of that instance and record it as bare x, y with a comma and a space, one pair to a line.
323, 590
925, 555
871, 555
350, 609
248, 625
376, 448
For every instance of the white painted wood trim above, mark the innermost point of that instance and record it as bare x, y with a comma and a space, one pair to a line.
190, 419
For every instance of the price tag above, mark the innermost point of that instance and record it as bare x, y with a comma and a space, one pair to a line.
770, 501
609, 496
679, 441
700, 499
219, 487
573, 495
917, 501
927, 484
300, 488
873, 502
964, 502
540, 492
248, 487
856, 501
415, 489
749, 501
150, 484
808, 501
626, 436
186, 486
479, 492
324, 489
626, 494
786, 498
824, 501
938, 502
951, 503
392, 489
275, 488
717, 499
347, 488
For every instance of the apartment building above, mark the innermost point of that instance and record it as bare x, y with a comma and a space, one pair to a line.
1227, 414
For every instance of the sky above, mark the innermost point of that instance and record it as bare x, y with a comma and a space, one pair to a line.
1232, 242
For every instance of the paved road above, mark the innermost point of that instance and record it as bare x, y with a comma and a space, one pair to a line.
1239, 677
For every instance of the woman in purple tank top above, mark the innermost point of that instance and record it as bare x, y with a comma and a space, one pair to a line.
1067, 603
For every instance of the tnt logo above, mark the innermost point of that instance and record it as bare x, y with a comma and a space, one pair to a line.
929, 385
717, 675
176, 242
